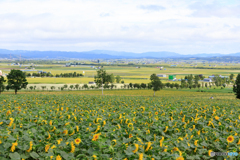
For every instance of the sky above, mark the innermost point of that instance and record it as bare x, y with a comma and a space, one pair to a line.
181, 26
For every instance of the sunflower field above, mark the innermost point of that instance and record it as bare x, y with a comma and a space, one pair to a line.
70, 127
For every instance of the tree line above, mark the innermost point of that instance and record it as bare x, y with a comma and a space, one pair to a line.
74, 74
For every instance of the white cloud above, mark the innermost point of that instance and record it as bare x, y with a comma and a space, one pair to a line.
124, 25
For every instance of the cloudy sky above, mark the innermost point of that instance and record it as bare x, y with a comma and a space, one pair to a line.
182, 26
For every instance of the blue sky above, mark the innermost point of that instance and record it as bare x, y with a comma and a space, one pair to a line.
184, 26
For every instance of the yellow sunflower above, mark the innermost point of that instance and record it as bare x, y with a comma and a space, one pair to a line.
78, 140
95, 137
230, 139
180, 158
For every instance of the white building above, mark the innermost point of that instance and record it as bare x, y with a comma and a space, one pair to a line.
207, 80
162, 75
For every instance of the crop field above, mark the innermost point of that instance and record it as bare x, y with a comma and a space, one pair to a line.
120, 125
130, 74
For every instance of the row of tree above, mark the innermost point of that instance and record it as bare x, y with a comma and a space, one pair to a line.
74, 74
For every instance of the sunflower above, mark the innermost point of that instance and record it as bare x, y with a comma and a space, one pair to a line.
130, 125
141, 156
77, 141
156, 113
130, 136
136, 145
95, 137
58, 158
195, 142
216, 117
115, 142
230, 139
180, 158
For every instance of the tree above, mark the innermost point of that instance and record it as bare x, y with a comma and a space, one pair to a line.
196, 79
183, 83
198, 85
206, 85
102, 77
236, 87
189, 79
143, 85
136, 85
231, 76
156, 83
130, 85
122, 81
71, 86
112, 78
65, 86
218, 80
77, 86
43, 87
149, 85
167, 84
112, 85
2, 86
16, 80
52, 87
171, 85
177, 85
85, 86
118, 79
31, 87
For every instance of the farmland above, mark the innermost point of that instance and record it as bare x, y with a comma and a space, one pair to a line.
124, 124
130, 74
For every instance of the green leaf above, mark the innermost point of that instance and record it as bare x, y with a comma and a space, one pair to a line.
14, 156
34, 155
64, 154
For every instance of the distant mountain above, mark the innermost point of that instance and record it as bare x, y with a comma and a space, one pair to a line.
100, 54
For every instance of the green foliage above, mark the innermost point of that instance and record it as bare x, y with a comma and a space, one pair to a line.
156, 82
236, 87
118, 79
130, 85
191, 124
16, 80
2, 86
231, 76
52, 87
102, 77
196, 79
112, 78
190, 80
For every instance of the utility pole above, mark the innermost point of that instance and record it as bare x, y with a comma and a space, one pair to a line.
102, 84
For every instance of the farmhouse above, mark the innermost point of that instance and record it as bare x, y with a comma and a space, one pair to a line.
207, 80
161, 75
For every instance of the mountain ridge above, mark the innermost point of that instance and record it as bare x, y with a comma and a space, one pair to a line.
102, 54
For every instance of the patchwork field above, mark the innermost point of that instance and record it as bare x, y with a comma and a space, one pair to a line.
120, 125
130, 74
